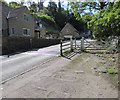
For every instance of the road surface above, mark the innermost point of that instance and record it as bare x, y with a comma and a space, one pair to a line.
18, 63
15, 64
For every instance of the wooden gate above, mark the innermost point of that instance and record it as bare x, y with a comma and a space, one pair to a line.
93, 45
82, 45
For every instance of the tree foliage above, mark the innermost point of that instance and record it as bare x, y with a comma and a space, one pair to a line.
4, 2
106, 22
102, 18
79, 14
14, 4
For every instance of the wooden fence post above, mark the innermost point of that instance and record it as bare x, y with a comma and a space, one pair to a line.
31, 43
82, 44
71, 42
75, 43
61, 48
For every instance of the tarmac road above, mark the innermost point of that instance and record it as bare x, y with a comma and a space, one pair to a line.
18, 63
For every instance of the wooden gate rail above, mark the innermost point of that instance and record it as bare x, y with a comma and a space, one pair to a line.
63, 46
89, 44
94, 46
83, 45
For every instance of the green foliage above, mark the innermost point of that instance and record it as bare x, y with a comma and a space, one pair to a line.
14, 4
32, 10
33, 7
52, 8
57, 13
110, 70
106, 22
86, 17
58, 55
102, 63
42, 14
46, 17
104, 71
43, 11
4, 2
80, 8
65, 52
112, 59
52, 30
102, 18
54, 15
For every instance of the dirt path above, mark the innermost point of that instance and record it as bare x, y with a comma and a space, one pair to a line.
64, 78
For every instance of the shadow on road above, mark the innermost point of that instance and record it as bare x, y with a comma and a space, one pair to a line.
70, 55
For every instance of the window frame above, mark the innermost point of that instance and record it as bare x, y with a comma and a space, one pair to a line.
25, 17
12, 31
26, 32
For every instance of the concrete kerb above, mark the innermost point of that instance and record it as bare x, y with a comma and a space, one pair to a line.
50, 59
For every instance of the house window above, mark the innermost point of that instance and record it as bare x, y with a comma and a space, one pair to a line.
25, 17
26, 32
13, 31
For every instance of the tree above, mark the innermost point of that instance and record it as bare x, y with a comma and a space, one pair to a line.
33, 7
22, 2
40, 5
52, 8
14, 4
106, 22
102, 18
80, 8
4, 2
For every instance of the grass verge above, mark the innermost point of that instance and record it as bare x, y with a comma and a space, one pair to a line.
110, 70
65, 52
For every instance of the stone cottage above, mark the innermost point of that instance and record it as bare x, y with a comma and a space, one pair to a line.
40, 30
69, 31
19, 22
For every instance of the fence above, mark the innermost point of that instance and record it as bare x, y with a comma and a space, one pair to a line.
82, 44
64, 45
16, 44
72, 45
